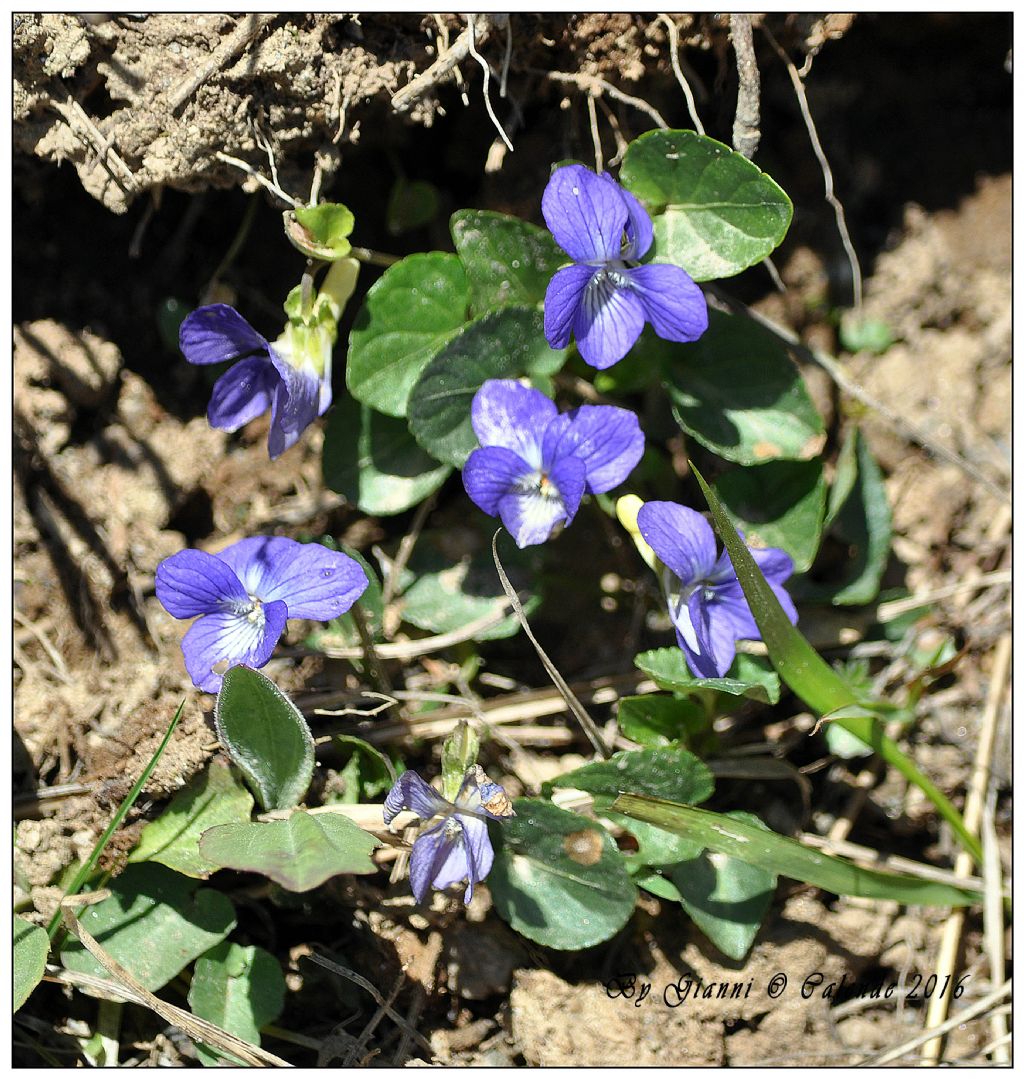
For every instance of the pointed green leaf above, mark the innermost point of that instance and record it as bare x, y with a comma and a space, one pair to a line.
504, 343
154, 924
558, 878
737, 392
300, 852
238, 988
406, 317
786, 857
31, 945
507, 261
374, 462
749, 676
266, 736
215, 796
716, 212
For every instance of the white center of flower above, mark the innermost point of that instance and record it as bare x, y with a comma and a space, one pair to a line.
254, 613
538, 483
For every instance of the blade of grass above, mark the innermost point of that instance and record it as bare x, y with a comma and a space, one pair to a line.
90, 863
583, 717
813, 680
785, 856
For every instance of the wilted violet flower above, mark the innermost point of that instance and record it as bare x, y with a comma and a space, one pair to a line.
705, 599
535, 465
605, 298
246, 594
458, 847
291, 377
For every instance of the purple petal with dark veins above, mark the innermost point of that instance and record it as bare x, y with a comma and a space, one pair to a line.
506, 413
585, 213
562, 302
193, 582
671, 300
217, 333
607, 439
608, 321
530, 516
413, 793
242, 393
314, 581
296, 404
680, 537
491, 473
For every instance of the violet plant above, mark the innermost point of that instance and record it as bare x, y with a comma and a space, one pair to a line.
483, 360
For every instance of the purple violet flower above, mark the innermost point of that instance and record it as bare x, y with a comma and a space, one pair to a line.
535, 465
605, 298
291, 377
458, 847
246, 594
705, 599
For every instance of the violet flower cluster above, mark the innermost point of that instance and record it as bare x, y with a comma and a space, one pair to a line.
705, 599
245, 594
457, 847
534, 465
605, 297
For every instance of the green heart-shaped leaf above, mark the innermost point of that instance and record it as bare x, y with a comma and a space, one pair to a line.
558, 878
215, 796
737, 392
658, 720
504, 343
507, 261
406, 317
780, 504
667, 773
240, 989
154, 923
300, 852
725, 896
716, 212
749, 676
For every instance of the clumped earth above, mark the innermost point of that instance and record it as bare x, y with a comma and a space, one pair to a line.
116, 468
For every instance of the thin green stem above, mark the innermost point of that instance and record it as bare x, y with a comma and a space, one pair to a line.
374, 258
90, 863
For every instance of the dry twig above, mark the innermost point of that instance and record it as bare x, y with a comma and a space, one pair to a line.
464, 44
673, 40
225, 53
938, 1007
826, 171
746, 128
